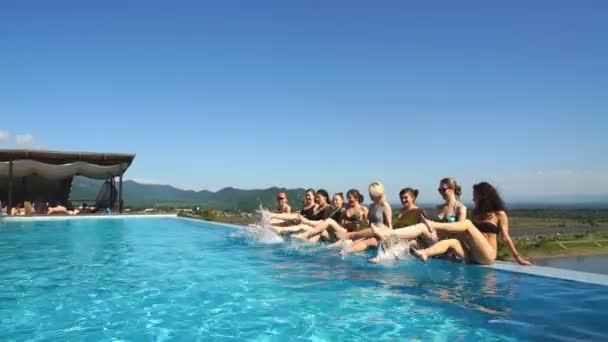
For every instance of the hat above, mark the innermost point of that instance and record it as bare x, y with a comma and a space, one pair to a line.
281, 195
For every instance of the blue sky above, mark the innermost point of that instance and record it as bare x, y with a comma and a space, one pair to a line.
334, 94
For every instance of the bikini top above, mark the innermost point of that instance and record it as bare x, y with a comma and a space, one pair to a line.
354, 218
487, 227
450, 218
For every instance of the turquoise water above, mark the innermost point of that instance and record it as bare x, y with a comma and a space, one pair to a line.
168, 279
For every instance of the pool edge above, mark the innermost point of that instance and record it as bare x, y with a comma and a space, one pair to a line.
542, 271
83, 217
552, 272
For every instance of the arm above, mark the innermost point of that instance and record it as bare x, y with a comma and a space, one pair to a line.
311, 223
461, 215
421, 214
288, 210
503, 223
389, 214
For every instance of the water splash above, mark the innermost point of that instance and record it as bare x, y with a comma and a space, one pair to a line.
262, 232
392, 250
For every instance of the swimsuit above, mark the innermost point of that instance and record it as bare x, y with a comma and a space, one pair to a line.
487, 227
407, 219
308, 213
338, 215
450, 218
355, 218
376, 215
322, 214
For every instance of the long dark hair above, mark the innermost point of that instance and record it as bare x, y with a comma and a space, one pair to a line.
355, 193
324, 193
488, 200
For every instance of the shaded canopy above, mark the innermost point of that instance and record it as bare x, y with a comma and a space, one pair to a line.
47, 175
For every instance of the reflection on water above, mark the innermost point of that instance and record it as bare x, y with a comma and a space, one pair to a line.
590, 263
156, 279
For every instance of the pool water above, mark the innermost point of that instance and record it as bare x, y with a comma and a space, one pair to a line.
144, 279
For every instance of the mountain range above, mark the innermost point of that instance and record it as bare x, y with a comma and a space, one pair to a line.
148, 195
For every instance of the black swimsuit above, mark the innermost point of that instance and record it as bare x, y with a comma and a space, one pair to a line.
338, 215
355, 218
322, 214
487, 227
308, 213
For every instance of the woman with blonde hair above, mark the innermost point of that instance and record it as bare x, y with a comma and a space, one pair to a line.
379, 214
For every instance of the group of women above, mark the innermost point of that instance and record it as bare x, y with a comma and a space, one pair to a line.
356, 228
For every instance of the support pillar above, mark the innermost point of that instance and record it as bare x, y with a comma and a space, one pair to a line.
9, 204
120, 204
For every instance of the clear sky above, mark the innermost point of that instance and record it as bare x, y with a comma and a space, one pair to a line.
331, 94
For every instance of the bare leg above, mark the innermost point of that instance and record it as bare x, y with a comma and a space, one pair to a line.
362, 234
315, 238
320, 228
361, 245
290, 229
482, 251
439, 248
408, 233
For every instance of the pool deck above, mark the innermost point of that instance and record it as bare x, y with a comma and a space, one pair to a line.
543, 271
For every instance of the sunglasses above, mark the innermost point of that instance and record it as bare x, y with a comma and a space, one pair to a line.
280, 198
443, 190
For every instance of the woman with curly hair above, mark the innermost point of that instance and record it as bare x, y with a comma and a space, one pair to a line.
480, 233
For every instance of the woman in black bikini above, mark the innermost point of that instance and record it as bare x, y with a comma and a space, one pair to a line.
286, 219
310, 215
481, 233
350, 220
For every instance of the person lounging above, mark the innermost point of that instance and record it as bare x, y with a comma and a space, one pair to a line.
489, 220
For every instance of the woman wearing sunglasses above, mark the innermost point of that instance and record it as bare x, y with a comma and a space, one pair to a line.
453, 210
282, 206
480, 234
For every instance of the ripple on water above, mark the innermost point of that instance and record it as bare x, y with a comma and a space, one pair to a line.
171, 280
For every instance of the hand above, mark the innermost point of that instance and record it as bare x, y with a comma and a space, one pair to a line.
523, 261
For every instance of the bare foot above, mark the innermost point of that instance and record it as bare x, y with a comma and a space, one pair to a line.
431, 232
373, 260
382, 231
421, 253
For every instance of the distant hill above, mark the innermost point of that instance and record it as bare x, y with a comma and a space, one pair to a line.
147, 195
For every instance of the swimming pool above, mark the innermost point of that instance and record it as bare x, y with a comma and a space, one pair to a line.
172, 279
